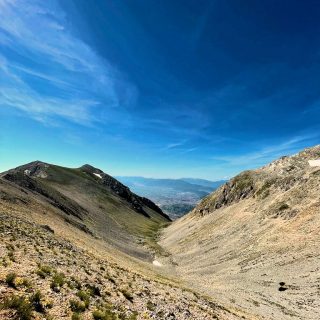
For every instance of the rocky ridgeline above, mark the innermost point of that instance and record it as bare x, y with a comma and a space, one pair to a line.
279, 176
31, 174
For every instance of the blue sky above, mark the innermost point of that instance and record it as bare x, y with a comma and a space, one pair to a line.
158, 88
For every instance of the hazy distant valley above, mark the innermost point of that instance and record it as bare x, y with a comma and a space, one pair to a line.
175, 197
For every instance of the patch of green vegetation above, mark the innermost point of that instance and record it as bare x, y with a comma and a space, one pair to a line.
106, 314
127, 295
94, 290
36, 300
283, 206
10, 279
243, 181
44, 271
76, 316
133, 316
74, 283
77, 306
21, 305
58, 280
151, 237
98, 315
263, 192
150, 306
84, 296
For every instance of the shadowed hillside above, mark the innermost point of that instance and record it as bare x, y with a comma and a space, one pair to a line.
93, 202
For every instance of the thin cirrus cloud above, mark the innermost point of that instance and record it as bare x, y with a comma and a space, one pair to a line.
49, 72
270, 152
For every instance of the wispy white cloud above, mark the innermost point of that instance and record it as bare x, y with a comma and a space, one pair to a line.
48, 71
174, 145
268, 153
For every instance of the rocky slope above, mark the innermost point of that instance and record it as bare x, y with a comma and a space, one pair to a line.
43, 276
74, 244
255, 241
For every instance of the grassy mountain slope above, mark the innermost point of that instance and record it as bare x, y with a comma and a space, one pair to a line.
255, 241
94, 202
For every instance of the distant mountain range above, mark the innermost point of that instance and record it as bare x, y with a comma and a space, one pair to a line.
176, 197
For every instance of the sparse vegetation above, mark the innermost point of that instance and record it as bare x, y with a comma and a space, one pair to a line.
243, 181
44, 271
127, 295
21, 305
58, 281
106, 314
150, 306
283, 206
84, 296
36, 300
76, 316
77, 305
10, 279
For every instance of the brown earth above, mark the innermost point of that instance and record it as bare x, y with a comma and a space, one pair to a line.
255, 242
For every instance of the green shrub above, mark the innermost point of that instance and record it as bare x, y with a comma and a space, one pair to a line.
26, 283
127, 295
98, 315
106, 314
77, 306
44, 271
283, 206
84, 296
10, 279
75, 316
133, 316
94, 290
35, 299
58, 280
21, 305
150, 306
11, 256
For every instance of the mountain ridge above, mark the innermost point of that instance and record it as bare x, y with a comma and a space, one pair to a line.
93, 202
38, 169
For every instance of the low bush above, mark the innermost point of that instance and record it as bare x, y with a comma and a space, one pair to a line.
127, 295
44, 271
84, 296
10, 279
21, 305
58, 280
36, 300
77, 306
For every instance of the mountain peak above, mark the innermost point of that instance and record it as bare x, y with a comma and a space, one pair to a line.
272, 179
